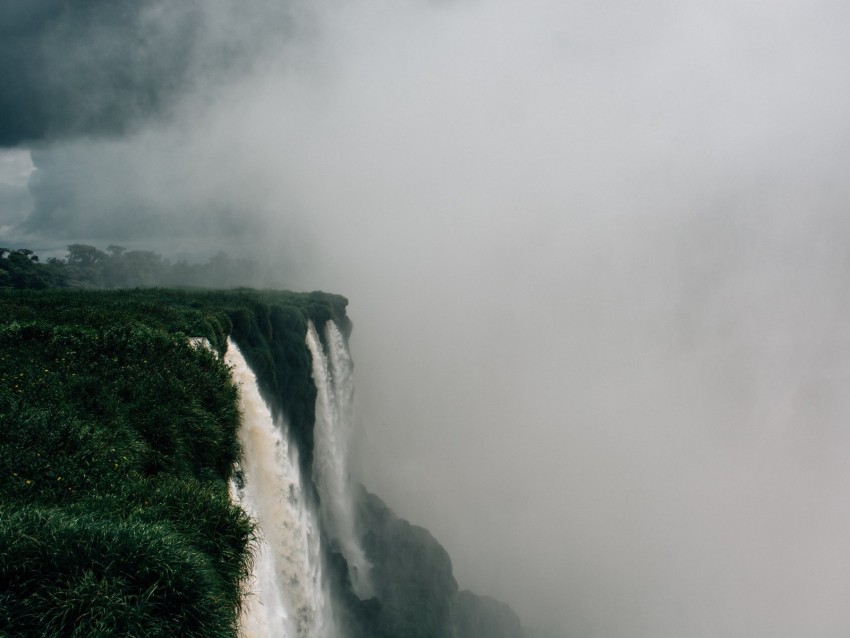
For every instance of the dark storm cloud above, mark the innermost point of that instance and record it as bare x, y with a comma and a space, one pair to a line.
107, 67
104, 93
90, 66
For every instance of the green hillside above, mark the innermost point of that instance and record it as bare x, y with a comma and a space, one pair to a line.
117, 442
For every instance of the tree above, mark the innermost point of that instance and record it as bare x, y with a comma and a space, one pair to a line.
85, 256
20, 269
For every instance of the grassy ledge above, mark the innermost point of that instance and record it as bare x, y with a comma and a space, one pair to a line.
117, 441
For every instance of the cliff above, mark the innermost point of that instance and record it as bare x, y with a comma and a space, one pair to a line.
118, 446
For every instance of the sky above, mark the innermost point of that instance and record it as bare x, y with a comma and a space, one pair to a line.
595, 252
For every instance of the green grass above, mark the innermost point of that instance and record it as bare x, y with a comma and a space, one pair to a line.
73, 572
117, 442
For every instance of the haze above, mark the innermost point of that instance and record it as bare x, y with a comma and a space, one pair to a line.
596, 252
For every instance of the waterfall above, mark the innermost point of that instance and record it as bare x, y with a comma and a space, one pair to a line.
333, 376
287, 596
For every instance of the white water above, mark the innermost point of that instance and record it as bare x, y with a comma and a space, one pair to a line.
201, 342
333, 376
287, 594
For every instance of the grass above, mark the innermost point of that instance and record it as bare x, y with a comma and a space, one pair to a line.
117, 442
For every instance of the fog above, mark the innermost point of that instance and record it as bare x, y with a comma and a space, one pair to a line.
596, 256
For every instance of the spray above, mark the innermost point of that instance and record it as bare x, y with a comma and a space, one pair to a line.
333, 376
287, 595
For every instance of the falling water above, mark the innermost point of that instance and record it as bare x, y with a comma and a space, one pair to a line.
333, 377
287, 595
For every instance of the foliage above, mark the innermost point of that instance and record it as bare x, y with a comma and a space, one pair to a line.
88, 267
81, 571
117, 441
22, 269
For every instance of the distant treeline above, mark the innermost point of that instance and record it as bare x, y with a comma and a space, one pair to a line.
88, 267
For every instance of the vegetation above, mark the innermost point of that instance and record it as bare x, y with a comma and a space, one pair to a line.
88, 267
117, 442
117, 445
21, 269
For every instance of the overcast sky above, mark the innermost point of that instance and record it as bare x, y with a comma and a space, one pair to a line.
596, 253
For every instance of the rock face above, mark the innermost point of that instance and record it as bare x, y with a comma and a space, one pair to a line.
411, 574
484, 617
416, 595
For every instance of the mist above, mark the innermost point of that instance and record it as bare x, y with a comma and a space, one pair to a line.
596, 257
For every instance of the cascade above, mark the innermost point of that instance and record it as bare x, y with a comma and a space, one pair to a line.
333, 377
287, 595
